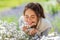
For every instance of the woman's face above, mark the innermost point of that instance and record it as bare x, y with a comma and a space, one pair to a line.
30, 17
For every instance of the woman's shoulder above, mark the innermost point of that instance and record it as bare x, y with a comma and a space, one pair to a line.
21, 18
46, 22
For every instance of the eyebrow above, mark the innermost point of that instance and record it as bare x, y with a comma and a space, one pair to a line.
32, 15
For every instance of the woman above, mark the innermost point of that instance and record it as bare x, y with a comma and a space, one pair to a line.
35, 18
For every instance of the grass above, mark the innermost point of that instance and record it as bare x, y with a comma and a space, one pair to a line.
13, 3
10, 19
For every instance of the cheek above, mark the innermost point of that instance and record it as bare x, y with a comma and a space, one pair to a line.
35, 20
25, 19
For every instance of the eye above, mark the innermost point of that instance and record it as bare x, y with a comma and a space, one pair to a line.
26, 16
33, 17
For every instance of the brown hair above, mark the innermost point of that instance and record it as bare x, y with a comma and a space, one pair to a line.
37, 8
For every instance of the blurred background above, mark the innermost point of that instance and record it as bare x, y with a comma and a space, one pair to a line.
11, 10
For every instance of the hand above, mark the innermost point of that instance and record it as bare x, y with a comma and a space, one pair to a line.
32, 24
33, 31
25, 28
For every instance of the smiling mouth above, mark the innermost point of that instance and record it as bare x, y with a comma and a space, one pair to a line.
33, 26
31, 23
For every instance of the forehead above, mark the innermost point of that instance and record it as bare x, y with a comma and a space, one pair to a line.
29, 12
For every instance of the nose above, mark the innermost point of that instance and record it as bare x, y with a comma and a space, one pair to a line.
29, 19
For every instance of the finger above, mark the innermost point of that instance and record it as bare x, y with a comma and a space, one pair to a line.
29, 33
